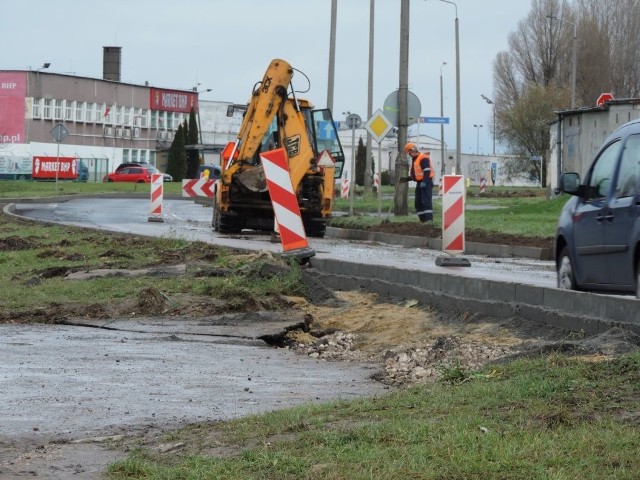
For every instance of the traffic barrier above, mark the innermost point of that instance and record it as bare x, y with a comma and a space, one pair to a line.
483, 184
157, 183
285, 204
198, 187
376, 180
453, 221
345, 188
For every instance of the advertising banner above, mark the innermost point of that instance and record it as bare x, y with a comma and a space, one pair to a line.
44, 168
172, 100
13, 90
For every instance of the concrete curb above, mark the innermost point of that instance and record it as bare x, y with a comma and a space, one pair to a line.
576, 311
471, 248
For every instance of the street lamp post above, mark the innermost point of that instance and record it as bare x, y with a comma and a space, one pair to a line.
458, 119
478, 127
574, 59
198, 92
442, 169
490, 102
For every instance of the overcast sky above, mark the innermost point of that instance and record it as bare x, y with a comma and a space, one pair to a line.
226, 45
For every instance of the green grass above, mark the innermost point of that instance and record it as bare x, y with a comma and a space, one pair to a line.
526, 216
30, 189
547, 418
30, 255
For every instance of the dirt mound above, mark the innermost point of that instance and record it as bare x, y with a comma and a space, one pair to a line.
478, 236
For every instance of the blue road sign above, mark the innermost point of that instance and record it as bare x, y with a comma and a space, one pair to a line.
326, 131
434, 120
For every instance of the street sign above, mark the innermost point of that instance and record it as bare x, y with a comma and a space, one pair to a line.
326, 160
390, 108
444, 120
326, 131
604, 97
354, 120
378, 126
59, 132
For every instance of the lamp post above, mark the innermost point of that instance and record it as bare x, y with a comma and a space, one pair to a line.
458, 119
574, 59
442, 169
490, 102
198, 92
478, 127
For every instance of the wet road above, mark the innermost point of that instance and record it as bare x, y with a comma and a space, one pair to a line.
191, 221
68, 381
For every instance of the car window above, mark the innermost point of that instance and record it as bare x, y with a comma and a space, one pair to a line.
629, 168
602, 172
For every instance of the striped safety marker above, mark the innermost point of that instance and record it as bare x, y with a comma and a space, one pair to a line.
285, 203
157, 183
345, 188
483, 184
453, 214
376, 180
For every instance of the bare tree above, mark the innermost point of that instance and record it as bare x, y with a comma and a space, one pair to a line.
610, 28
533, 78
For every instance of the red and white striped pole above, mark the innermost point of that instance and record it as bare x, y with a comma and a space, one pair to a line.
285, 204
156, 198
453, 221
345, 188
483, 184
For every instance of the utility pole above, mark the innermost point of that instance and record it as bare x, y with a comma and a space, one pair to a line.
332, 54
442, 154
400, 197
368, 160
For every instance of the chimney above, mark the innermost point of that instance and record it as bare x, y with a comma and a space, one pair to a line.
111, 63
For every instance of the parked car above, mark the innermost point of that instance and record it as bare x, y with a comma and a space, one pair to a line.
130, 174
132, 168
597, 244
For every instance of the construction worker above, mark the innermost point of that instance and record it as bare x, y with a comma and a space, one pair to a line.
421, 171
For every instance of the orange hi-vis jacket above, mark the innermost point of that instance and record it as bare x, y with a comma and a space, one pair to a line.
421, 167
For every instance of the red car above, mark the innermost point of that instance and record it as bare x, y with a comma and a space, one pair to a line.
130, 174
135, 173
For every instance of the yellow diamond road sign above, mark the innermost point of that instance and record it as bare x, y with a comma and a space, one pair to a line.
378, 126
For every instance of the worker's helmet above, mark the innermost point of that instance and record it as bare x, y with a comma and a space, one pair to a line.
410, 146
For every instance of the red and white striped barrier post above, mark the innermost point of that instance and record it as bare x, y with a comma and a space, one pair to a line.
345, 188
285, 205
157, 183
483, 184
440, 187
453, 221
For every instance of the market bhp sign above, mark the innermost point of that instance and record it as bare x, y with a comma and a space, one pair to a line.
13, 89
44, 168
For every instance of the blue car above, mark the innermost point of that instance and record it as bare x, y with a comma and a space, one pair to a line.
597, 246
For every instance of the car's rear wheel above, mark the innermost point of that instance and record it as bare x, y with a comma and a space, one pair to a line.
566, 275
638, 280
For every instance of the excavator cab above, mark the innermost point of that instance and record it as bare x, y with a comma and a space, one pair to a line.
324, 136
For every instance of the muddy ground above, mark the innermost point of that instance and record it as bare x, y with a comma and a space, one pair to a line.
407, 342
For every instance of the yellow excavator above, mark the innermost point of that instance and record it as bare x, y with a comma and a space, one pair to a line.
276, 118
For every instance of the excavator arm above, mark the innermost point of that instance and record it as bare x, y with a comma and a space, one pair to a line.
272, 120
275, 118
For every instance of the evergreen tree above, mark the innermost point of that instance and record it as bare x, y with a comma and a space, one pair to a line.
177, 160
193, 159
361, 162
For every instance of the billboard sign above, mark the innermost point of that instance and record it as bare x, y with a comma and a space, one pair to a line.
13, 90
44, 168
172, 100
